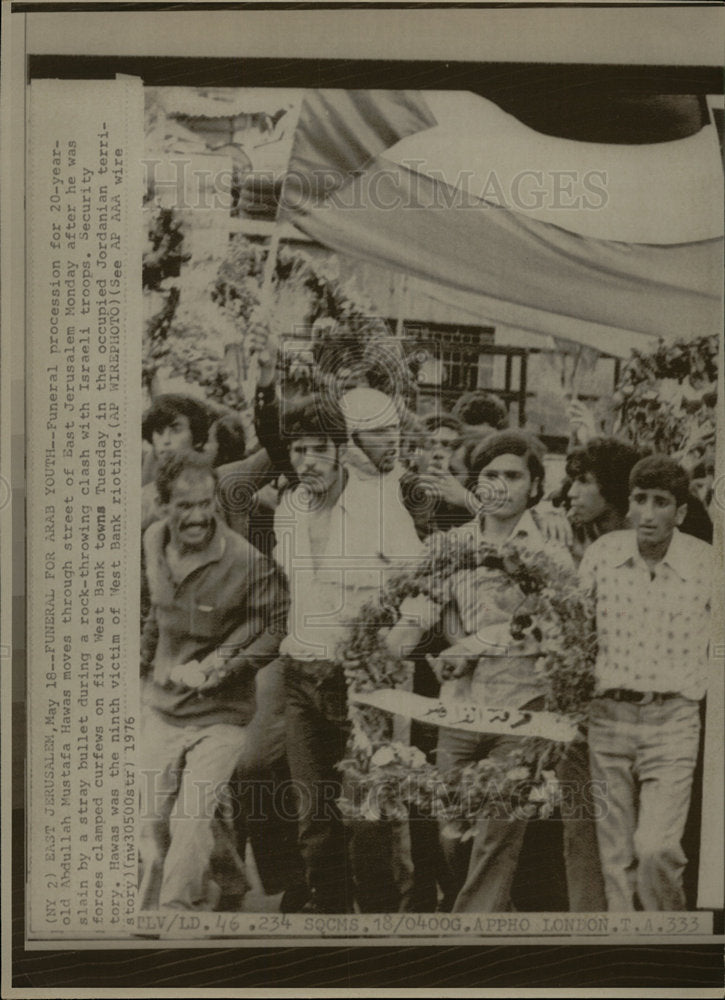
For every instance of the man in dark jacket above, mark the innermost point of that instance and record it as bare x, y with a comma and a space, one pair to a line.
218, 610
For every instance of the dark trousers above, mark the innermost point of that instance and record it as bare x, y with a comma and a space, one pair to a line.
266, 817
584, 879
433, 886
317, 731
363, 861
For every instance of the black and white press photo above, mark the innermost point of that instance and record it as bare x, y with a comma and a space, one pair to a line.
426, 532
371, 510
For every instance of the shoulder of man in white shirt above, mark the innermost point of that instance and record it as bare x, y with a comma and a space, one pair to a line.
690, 556
609, 549
685, 551
613, 542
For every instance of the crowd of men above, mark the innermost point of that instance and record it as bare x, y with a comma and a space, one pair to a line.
255, 563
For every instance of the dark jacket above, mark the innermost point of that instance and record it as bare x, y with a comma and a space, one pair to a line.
232, 606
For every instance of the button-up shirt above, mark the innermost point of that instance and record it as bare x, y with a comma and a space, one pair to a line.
653, 626
367, 535
485, 599
477, 592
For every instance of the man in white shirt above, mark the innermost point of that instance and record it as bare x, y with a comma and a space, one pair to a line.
652, 591
340, 533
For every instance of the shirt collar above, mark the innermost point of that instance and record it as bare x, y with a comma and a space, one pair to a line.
302, 502
526, 528
677, 556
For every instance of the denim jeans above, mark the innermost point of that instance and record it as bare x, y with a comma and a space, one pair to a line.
364, 861
494, 853
646, 755
483, 873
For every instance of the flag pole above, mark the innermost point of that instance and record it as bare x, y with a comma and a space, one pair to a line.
401, 297
573, 383
270, 263
572, 392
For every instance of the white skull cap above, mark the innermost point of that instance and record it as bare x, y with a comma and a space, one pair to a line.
368, 410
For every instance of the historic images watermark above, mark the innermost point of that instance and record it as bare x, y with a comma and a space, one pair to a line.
185, 185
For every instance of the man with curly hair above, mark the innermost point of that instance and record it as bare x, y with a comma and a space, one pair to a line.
598, 494
341, 529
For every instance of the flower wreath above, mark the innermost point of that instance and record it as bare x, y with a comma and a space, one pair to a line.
385, 779
666, 400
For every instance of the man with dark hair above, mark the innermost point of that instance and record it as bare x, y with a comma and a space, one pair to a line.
524, 446
436, 498
340, 532
172, 424
482, 660
481, 409
301, 723
598, 500
480, 413
598, 494
651, 587
604, 463
444, 436
218, 610
274, 837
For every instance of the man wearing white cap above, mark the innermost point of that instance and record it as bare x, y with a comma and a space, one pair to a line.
373, 422
379, 521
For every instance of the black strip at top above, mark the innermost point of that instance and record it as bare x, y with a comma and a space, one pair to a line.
591, 103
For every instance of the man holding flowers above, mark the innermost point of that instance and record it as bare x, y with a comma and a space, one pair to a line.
218, 610
488, 661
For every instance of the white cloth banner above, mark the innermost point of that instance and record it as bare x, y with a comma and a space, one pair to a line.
592, 188
460, 713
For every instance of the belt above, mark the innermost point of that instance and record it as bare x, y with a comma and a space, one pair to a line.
318, 669
640, 697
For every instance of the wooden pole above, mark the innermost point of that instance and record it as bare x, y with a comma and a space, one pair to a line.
270, 264
401, 283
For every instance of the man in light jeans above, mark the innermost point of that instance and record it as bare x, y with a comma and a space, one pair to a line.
652, 591
484, 663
